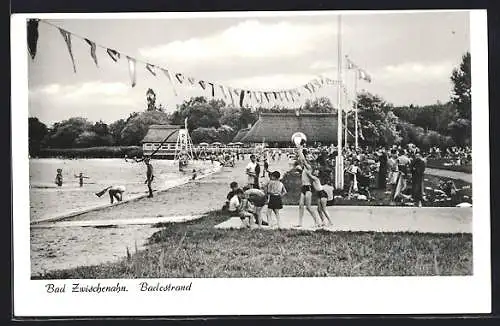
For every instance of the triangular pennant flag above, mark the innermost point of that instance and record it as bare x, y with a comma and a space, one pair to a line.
92, 50
308, 87
202, 84
267, 96
286, 96
151, 68
191, 80
223, 92
230, 91
213, 89
275, 95
115, 55
131, 70
317, 83
261, 97
254, 96
32, 36
67, 38
242, 96
167, 73
179, 77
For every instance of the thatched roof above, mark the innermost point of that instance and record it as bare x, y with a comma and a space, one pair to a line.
158, 133
279, 127
239, 136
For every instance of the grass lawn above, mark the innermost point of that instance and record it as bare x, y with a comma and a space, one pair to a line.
197, 249
292, 183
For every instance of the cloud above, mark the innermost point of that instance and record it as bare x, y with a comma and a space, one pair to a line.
95, 100
323, 65
274, 81
415, 72
88, 91
248, 39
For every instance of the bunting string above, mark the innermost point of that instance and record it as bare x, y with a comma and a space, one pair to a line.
250, 97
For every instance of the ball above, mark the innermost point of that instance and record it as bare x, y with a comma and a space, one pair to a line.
298, 137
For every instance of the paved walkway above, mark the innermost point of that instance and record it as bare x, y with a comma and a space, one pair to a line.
379, 219
120, 222
450, 174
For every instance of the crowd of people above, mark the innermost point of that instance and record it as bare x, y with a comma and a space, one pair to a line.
398, 171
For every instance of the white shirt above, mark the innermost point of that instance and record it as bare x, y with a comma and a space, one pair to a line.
251, 168
234, 203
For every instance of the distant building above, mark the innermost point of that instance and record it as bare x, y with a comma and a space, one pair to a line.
158, 134
278, 128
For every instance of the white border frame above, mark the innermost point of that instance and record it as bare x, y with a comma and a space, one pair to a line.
361, 295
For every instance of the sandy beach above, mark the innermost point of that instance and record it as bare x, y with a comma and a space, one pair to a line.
58, 248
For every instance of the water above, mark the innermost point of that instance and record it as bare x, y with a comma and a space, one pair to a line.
46, 198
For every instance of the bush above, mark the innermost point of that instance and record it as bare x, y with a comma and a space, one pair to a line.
93, 152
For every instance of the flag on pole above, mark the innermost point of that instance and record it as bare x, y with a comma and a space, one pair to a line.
349, 63
202, 84
92, 51
364, 76
67, 38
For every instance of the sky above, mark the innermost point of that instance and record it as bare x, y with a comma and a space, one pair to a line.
410, 57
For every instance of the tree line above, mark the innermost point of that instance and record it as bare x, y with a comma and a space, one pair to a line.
209, 120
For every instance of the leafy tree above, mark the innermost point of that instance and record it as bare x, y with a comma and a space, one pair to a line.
207, 135
319, 105
200, 113
115, 129
37, 131
63, 134
225, 134
461, 95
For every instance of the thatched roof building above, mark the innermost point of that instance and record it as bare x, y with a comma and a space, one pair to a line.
239, 136
158, 133
279, 128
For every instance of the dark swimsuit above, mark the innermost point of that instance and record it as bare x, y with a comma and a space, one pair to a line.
305, 189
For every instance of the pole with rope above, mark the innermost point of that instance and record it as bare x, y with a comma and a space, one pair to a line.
339, 163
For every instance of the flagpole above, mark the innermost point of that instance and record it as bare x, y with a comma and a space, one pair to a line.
339, 166
345, 129
356, 108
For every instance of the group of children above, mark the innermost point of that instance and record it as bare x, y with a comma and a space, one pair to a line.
248, 202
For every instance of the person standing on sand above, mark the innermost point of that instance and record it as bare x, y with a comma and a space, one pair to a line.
149, 176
